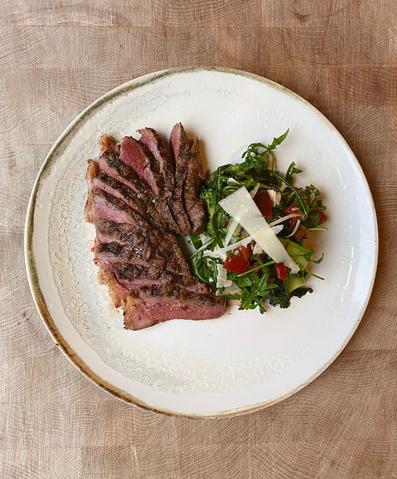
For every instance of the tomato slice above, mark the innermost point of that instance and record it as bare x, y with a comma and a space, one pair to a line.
245, 252
322, 217
264, 203
292, 210
281, 271
236, 264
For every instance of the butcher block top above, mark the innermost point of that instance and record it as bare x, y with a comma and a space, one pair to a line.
56, 57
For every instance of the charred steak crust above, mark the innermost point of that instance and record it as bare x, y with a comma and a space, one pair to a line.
180, 145
110, 208
162, 154
191, 193
138, 157
111, 164
113, 187
149, 244
140, 199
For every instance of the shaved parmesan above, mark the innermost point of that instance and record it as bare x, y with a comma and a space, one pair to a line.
221, 280
233, 223
277, 229
298, 222
275, 196
204, 238
230, 231
221, 252
254, 191
284, 218
240, 206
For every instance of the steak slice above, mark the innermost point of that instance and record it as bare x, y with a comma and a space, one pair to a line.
136, 156
138, 276
114, 188
141, 313
110, 163
135, 277
108, 254
180, 145
109, 208
160, 150
193, 203
137, 199
148, 243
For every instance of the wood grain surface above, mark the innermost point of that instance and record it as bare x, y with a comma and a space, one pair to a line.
56, 56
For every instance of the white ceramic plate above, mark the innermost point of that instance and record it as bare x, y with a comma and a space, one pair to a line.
243, 361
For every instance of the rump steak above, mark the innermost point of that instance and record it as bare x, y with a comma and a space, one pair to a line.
142, 195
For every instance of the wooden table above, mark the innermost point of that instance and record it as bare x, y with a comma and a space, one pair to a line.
58, 56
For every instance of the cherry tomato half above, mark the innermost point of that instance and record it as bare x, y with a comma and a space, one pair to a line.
264, 203
236, 264
281, 271
245, 252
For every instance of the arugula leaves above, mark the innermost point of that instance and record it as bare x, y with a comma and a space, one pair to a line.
259, 285
259, 155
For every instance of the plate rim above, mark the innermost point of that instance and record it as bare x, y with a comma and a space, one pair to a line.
31, 269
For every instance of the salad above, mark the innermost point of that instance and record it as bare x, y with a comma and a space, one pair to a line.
254, 248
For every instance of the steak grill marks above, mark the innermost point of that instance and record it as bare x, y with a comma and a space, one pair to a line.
141, 196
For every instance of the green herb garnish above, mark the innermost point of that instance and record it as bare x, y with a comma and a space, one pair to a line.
255, 278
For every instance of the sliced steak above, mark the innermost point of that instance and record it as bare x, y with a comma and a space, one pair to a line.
177, 290
135, 277
148, 243
142, 313
191, 193
139, 199
114, 188
110, 163
180, 145
109, 208
108, 254
138, 275
138, 157
160, 150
